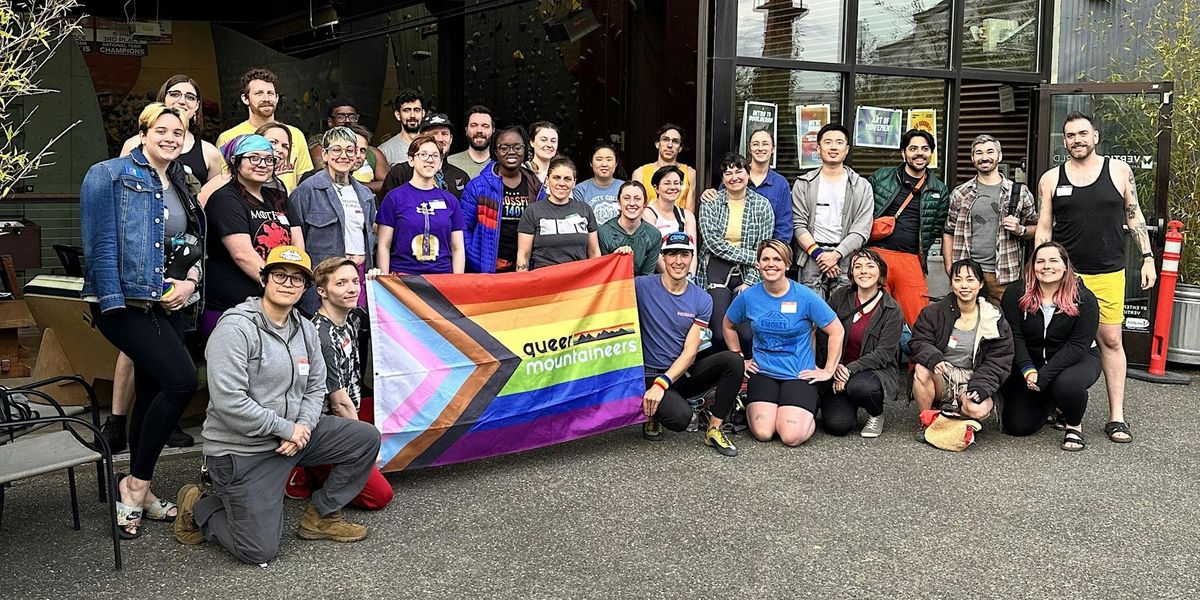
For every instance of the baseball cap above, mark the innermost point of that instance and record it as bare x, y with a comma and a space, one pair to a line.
434, 120
289, 255
678, 240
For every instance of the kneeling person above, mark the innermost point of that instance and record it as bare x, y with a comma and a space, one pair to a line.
673, 315
782, 391
266, 381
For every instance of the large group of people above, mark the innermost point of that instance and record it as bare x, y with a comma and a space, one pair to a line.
804, 303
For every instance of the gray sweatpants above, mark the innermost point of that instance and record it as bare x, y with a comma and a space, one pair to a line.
245, 515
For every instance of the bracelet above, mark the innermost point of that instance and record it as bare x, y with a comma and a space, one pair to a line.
1027, 370
663, 382
1146, 255
195, 282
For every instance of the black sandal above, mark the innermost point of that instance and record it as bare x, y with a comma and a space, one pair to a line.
1057, 421
1113, 428
1075, 438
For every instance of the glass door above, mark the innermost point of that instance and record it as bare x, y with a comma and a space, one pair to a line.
1134, 122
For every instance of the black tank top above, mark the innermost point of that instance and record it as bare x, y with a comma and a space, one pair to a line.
194, 160
1089, 221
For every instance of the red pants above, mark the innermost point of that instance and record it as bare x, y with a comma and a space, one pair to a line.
376, 494
906, 282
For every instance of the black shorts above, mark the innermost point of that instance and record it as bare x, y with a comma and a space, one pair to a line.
784, 392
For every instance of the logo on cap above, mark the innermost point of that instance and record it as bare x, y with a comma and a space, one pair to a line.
290, 255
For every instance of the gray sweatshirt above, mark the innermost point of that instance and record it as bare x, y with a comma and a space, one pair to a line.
856, 215
259, 382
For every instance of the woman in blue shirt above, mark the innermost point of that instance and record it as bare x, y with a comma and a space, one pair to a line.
782, 391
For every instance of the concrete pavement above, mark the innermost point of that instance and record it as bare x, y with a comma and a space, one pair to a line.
615, 517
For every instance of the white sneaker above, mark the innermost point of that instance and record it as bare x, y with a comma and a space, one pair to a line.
873, 428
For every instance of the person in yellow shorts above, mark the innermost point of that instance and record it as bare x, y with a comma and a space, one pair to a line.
1086, 204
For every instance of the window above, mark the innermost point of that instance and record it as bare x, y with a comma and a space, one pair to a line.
905, 93
1000, 34
789, 90
904, 33
793, 29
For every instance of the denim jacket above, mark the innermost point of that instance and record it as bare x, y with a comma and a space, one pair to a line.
121, 218
316, 210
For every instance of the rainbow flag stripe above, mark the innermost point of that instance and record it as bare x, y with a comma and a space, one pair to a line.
472, 366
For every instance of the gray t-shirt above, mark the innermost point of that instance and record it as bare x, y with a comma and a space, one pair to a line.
960, 349
395, 150
464, 161
985, 225
176, 219
560, 233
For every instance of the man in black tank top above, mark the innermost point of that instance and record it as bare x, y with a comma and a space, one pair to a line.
1085, 205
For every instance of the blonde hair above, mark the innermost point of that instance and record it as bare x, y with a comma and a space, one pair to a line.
153, 111
779, 247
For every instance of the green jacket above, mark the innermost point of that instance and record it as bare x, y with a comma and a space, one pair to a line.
935, 201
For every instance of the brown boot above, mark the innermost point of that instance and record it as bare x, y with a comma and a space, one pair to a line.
334, 527
186, 530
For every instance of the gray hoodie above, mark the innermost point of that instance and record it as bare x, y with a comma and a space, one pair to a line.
260, 384
856, 214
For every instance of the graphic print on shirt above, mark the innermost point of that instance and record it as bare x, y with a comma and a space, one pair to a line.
571, 224
775, 334
271, 232
515, 202
425, 247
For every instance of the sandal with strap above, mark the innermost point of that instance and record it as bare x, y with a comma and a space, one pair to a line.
160, 510
1118, 431
1057, 421
129, 517
1073, 441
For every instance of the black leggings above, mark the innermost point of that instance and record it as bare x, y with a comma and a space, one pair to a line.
722, 369
1024, 411
722, 297
164, 377
839, 410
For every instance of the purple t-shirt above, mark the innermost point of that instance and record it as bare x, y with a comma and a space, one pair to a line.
666, 318
421, 222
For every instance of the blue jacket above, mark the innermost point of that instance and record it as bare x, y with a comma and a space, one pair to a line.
481, 204
315, 208
121, 218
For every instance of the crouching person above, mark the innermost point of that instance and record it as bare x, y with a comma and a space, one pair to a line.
266, 381
339, 322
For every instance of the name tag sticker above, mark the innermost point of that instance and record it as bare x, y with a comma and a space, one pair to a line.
302, 366
283, 220
1064, 190
438, 205
953, 343
788, 308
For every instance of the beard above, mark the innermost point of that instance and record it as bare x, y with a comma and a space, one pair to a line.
413, 130
265, 111
480, 144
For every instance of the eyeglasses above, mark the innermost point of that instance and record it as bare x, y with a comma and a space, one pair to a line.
296, 279
342, 151
507, 148
256, 160
670, 140
176, 95
427, 157
347, 118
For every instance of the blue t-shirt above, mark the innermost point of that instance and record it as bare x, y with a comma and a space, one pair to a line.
421, 222
602, 200
666, 318
782, 327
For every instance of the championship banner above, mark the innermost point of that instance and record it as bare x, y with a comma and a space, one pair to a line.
473, 366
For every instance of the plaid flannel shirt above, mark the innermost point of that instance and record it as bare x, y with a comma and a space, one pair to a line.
1009, 249
758, 224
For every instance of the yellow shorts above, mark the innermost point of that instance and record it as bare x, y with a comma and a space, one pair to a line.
1109, 289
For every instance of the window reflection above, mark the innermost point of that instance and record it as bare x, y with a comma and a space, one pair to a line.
792, 29
789, 90
903, 93
904, 33
1000, 34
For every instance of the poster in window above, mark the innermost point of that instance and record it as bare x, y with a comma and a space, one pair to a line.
810, 118
877, 127
759, 115
925, 119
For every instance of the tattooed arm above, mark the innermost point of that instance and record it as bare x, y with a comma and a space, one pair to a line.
1137, 224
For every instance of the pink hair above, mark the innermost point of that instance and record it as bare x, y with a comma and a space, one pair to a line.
1067, 296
